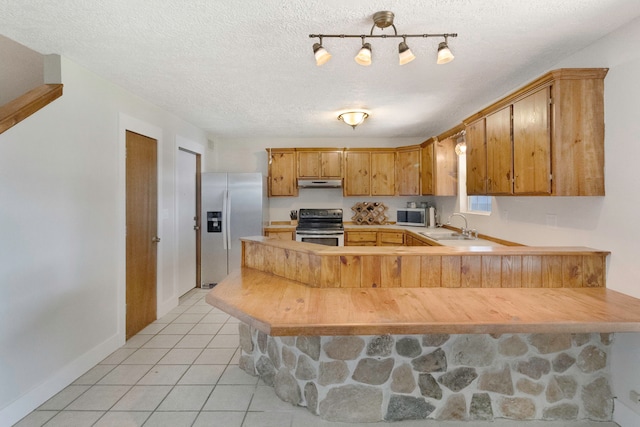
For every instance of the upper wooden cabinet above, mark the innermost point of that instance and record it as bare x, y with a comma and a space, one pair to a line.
547, 138
319, 163
476, 140
369, 172
282, 172
499, 152
440, 165
532, 144
357, 173
408, 171
383, 173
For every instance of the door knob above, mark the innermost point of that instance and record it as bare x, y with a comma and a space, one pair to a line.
195, 227
155, 240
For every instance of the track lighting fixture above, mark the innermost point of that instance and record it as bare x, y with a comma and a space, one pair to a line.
383, 20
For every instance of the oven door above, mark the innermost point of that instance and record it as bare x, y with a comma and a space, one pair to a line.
328, 239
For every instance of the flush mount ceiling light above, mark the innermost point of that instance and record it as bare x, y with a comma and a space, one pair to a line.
383, 20
353, 118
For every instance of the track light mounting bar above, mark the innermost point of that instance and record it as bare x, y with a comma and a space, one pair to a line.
379, 36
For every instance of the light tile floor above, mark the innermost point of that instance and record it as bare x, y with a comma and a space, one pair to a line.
182, 370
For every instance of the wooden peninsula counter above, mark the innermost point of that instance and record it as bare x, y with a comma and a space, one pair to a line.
365, 334
292, 288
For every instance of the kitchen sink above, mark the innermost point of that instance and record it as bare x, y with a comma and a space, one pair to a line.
447, 236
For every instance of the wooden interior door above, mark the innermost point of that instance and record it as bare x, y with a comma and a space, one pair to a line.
142, 231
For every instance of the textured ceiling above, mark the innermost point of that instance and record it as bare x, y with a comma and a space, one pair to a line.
245, 68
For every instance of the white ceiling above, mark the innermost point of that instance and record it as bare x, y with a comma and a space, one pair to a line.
245, 68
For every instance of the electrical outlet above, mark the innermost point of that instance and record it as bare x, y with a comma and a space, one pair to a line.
505, 215
634, 396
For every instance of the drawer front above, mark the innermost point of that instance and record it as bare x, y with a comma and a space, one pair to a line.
361, 236
387, 237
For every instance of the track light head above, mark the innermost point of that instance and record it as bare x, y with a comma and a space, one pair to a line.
404, 53
364, 55
320, 53
444, 53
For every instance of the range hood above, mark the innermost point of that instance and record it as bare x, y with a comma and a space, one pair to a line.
319, 183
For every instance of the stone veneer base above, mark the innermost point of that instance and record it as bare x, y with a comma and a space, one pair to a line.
444, 377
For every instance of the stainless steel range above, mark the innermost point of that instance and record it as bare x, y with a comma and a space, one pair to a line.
321, 226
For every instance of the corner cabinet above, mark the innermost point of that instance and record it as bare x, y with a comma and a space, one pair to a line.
282, 172
439, 167
545, 139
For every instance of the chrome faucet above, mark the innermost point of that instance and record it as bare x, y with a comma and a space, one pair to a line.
465, 230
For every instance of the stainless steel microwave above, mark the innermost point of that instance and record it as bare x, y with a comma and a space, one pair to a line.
416, 217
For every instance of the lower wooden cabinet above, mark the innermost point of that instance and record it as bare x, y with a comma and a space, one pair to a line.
390, 238
360, 238
280, 235
414, 241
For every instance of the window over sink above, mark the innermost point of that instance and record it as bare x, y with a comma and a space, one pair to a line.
480, 205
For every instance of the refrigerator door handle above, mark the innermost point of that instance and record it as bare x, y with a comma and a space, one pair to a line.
224, 220
228, 220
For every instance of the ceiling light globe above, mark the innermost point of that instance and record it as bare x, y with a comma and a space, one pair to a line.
364, 55
353, 118
404, 54
321, 54
444, 54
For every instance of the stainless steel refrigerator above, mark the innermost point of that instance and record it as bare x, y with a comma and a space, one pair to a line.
234, 205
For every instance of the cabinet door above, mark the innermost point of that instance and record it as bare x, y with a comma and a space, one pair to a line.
282, 173
331, 164
445, 168
320, 164
280, 235
383, 173
360, 238
499, 153
428, 177
476, 158
308, 164
408, 172
390, 238
532, 144
357, 180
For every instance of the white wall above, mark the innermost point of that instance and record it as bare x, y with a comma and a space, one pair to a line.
606, 223
21, 70
62, 234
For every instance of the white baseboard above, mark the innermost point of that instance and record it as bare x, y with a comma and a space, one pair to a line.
167, 306
21, 407
625, 416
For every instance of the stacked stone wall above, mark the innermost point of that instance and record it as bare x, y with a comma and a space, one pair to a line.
444, 377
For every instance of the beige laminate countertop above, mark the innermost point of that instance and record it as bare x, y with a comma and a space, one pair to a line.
483, 241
